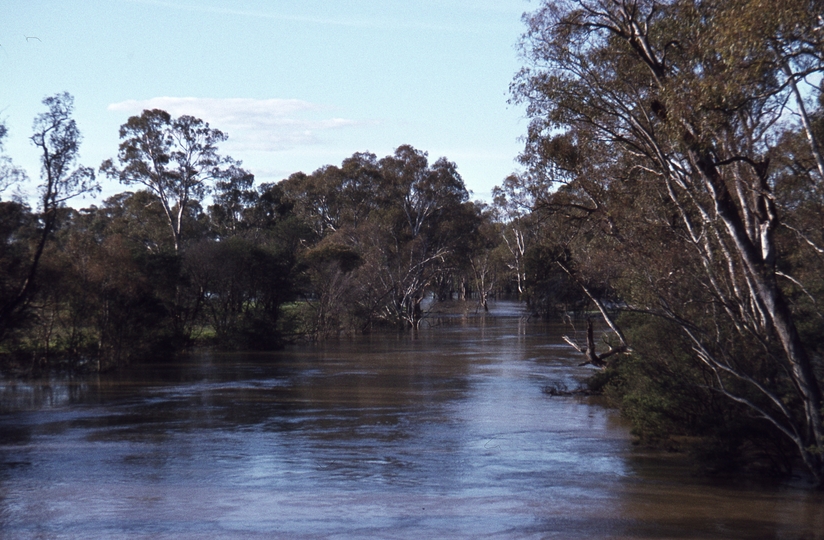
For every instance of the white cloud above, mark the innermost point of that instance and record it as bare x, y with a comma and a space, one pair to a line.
261, 125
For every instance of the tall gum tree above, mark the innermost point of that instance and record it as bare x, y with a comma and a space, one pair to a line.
681, 105
57, 140
405, 220
177, 159
420, 201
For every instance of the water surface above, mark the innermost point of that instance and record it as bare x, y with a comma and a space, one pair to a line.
443, 434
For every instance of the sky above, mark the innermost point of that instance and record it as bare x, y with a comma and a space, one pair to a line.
295, 84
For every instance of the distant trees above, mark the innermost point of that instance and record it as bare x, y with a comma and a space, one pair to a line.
344, 249
387, 232
663, 150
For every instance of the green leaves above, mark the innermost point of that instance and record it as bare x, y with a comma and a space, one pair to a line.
175, 158
58, 139
664, 158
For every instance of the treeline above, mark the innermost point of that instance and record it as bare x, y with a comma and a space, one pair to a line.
149, 271
674, 165
198, 253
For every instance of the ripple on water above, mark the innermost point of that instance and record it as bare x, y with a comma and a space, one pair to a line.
446, 433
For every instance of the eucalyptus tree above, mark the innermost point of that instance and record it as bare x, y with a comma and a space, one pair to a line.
247, 268
657, 127
177, 159
385, 231
234, 197
336, 196
422, 206
57, 140
139, 218
514, 205
485, 251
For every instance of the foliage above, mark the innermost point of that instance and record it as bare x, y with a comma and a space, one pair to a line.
151, 272
388, 232
663, 156
174, 158
57, 139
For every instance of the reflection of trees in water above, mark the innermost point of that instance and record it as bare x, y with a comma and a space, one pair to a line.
380, 427
59, 392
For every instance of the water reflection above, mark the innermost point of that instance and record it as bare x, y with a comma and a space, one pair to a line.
446, 433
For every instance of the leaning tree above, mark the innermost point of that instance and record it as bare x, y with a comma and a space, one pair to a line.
677, 142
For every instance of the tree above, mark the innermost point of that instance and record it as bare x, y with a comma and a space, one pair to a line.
234, 197
419, 202
332, 196
655, 125
176, 159
243, 285
513, 203
57, 139
404, 220
139, 217
337, 291
484, 253
97, 305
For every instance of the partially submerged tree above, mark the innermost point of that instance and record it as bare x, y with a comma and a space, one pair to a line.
421, 204
514, 204
656, 140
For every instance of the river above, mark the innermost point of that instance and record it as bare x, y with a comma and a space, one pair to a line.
447, 433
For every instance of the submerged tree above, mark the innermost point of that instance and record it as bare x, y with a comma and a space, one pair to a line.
386, 231
422, 208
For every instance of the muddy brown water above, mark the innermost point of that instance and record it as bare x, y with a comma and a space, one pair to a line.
443, 434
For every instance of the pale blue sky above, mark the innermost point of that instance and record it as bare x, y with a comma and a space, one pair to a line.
296, 85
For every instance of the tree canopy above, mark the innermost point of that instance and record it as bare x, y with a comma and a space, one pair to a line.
675, 146
201, 254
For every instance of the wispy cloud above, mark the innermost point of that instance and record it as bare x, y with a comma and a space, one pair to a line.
357, 22
261, 125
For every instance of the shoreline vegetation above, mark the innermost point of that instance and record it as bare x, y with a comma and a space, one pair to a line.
671, 194
294, 330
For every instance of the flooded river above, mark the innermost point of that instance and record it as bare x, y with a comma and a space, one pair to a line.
443, 434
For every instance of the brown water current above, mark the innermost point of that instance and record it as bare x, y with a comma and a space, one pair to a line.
443, 434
